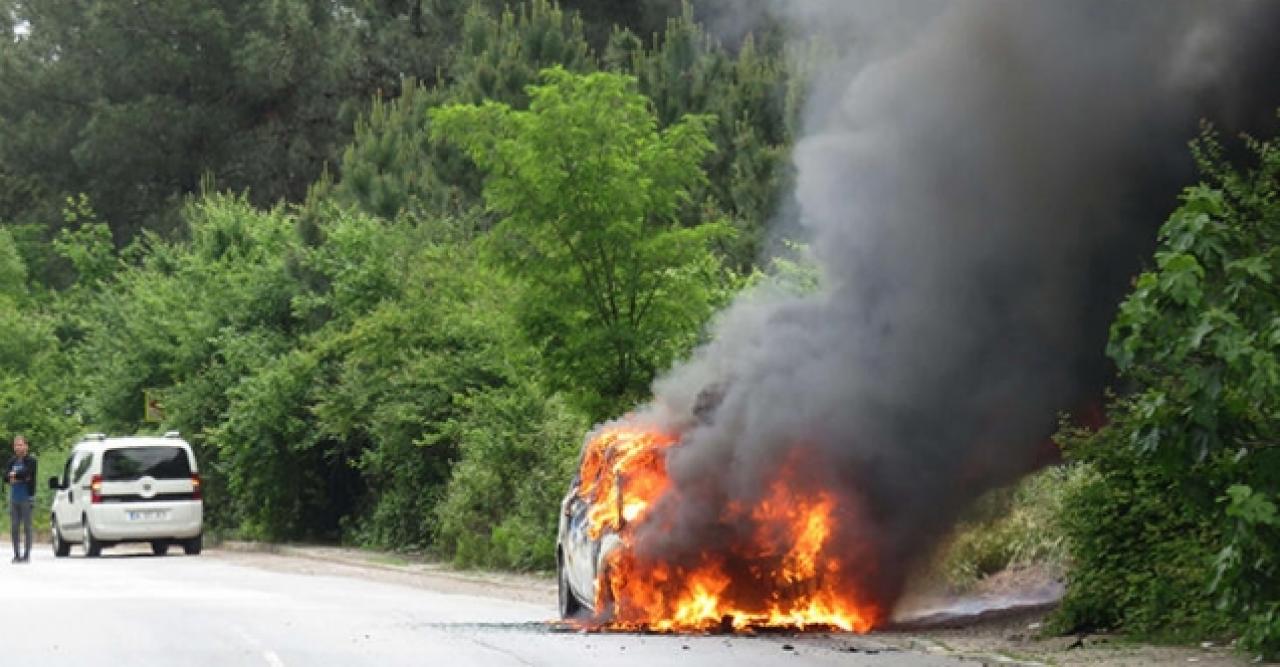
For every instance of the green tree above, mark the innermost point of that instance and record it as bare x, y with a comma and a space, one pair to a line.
517, 449
406, 40
753, 94
85, 243
1190, 457
588, 189
134, 103
501, 55
392, 168
34, 391
400, 373
13, 271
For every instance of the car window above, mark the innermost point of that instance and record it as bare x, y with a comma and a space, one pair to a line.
66, 469
85, 460
129, 463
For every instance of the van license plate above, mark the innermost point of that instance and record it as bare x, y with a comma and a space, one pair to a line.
146, 515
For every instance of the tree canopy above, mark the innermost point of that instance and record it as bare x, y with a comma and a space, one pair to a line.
588, 188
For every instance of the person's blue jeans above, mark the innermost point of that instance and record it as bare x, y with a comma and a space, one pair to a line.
20, 516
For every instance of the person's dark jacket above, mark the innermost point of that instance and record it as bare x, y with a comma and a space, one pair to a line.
28, 476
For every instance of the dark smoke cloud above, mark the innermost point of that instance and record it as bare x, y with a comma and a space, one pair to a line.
978, 180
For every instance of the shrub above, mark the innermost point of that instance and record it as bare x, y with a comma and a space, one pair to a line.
518, 450
1014, 527
1142, 541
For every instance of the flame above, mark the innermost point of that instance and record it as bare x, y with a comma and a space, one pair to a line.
623, 470
775, 569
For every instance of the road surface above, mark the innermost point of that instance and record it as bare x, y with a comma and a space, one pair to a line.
129, 608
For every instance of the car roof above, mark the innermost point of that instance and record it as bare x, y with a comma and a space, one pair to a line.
131, 441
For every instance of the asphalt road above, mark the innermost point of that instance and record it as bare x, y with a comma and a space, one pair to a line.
138, 610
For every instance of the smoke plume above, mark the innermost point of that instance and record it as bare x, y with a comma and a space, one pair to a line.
978, 180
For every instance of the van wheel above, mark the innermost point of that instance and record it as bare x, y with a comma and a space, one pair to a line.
193, 546
159, 547
92, 547
60, 547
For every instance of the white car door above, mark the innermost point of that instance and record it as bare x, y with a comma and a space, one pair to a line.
63, 511
80, 493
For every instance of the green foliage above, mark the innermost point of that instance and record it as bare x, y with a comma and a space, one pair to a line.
85, 242
135, 104
392, 167
643, 17
138, 108
588, 188
13, 270
401, 40
1201, 332
753, 93
1179, 532
269, 450
158, 321
33, 374
1248, 567
501, 55
750, 93
407, 354
1141, 541
400, 373
33, 388
517, 449
1016, 527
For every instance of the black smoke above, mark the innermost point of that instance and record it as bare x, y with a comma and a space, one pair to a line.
978, 180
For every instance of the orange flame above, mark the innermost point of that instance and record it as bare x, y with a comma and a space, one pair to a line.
622, 471
776, 569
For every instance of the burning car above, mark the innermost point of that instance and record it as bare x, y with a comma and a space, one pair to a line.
774, 562
619, 473
579, 557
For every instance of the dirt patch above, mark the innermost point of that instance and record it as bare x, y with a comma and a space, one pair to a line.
1017, 639
1000, 620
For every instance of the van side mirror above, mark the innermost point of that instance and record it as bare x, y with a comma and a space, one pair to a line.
55, 484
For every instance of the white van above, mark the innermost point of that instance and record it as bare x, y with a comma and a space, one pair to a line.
128, 489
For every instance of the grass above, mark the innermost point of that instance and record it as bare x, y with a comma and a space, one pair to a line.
389, 559
1012, 527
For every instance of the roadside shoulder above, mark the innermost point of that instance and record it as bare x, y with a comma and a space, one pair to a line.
390, 567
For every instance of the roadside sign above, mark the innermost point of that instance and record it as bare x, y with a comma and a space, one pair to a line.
152, 407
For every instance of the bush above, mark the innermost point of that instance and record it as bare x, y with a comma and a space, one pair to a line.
401, 376
1178, 536
519, 450
1015, 527
1142, 542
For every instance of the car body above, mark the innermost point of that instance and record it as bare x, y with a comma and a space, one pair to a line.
128, 489
621, 470
579, 558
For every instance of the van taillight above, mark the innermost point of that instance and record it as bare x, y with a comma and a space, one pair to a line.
95, 489
196, 493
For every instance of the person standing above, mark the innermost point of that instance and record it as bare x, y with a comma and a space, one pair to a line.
21, 475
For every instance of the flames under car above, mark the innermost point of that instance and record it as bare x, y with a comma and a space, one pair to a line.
776, 559
583, 561
778, 578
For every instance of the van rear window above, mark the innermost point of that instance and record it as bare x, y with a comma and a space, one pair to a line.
133, 462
